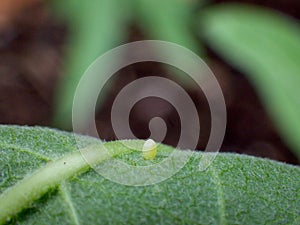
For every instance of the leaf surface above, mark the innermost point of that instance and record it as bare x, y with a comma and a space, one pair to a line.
235, 189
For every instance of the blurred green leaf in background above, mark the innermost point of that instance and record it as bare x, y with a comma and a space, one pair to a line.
96, 27
262, 43
265, 45
99, 25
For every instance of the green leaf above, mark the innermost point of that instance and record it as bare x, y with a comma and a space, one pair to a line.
167, 20
96, 27
265, 46
235, 189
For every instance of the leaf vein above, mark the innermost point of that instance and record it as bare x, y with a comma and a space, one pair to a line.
25, 150
220, 194
67, 198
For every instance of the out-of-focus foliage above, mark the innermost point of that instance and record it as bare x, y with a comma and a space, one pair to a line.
260, 42
99, 25
168, 20
265, 46
96, 27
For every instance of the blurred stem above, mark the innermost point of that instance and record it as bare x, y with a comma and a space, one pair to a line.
96, 27
170, 20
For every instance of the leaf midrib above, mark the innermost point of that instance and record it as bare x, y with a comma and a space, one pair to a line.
32, 187
66, 195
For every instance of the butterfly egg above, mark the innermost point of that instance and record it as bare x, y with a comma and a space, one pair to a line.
149, 149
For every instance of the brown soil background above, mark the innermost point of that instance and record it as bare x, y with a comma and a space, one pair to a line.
32, 44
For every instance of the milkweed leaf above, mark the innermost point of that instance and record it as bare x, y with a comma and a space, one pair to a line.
235, 189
